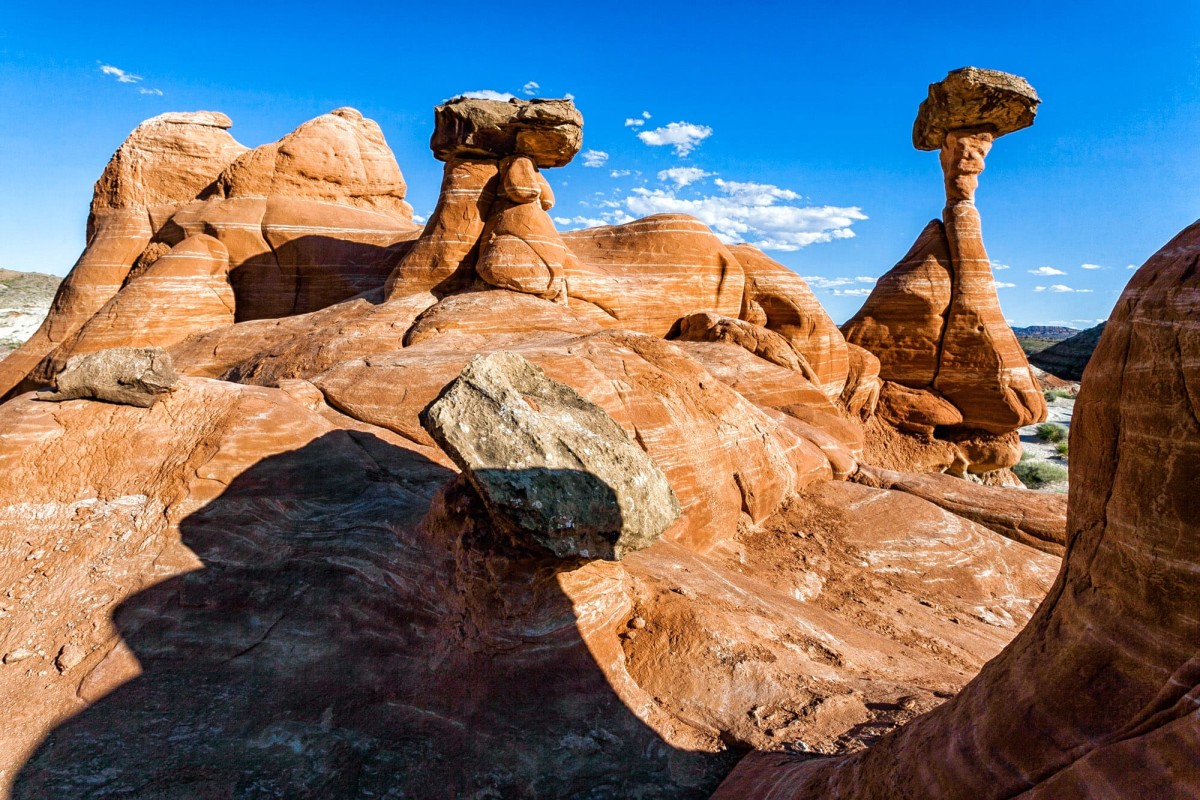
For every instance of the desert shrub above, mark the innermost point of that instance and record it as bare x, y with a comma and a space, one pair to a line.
1026, 455
1053, 394
1061, 449
1051, 432
1035, 474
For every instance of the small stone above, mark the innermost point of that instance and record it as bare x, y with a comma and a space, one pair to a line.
20, 654
69, 656
637, 622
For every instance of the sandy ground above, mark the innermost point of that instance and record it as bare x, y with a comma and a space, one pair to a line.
1059, 411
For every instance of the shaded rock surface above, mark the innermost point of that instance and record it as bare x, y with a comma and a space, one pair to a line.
551, 468
1096, 696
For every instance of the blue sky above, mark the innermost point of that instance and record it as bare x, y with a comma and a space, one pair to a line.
785, 124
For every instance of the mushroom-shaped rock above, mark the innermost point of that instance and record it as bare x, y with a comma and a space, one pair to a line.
553, 469
985, 99
548, 131
126, 375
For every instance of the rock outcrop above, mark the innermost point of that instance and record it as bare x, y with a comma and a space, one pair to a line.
553, 470
1097, 695
934, 320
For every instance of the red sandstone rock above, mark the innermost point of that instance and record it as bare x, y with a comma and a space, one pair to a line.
166, 162
1095, 697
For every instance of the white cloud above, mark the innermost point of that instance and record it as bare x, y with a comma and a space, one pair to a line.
488, 94
752, 213
569, 96
581, 222
619, 173
531, 88
1131, 266
631, 122
121, 75
683, 136
821, 282
1044, 271
1003, 285
998, 266
682, 176
1061, 288
155, 92
594, 158
1090, 266
420, 219
851, 292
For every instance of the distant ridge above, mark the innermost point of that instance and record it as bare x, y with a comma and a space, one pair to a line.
1068, 358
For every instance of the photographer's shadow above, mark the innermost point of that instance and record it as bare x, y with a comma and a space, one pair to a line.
342, 641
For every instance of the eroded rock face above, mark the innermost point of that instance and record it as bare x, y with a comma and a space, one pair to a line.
552, 469
123, 375
1096, 696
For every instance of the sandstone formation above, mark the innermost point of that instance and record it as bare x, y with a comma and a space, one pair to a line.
934, 321
1096, 697
551, 468
486, 507
305, 222
124, 375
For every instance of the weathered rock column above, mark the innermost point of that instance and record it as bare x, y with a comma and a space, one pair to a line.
961, 118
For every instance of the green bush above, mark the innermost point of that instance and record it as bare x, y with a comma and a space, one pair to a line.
1035, 474
1053, 394
1061, 449
1051, 432
1026, 455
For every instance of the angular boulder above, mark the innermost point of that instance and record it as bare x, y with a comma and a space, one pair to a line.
552, 469
123, 375
548, 131
995, 101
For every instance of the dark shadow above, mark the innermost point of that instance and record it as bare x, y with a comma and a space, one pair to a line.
358, 631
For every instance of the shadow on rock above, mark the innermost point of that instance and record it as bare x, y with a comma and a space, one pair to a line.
349, 638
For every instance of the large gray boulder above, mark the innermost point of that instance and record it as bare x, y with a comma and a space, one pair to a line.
132, 376
987, 99
553, 469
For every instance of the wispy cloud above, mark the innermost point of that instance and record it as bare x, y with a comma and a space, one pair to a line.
1131, 266
682, 176
821, 282
121, 75
155, 92
637, 122
619, 173
594, 158
684, 137
487, 94
531, 88
998, 266
851, 292
581, 222
1061, 288
1003, 285
1090, 266
1046, 271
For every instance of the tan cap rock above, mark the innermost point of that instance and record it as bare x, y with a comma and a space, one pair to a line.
548, 131
974, 98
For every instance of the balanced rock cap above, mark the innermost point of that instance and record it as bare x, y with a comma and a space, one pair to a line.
548, 131
974, 98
